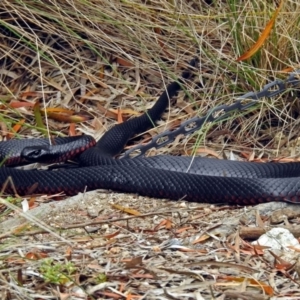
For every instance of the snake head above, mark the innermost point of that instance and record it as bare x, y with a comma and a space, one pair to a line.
41, 154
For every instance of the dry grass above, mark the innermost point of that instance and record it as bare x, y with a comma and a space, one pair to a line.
93, 56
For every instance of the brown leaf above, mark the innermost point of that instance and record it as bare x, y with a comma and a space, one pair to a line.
132, 263
61, 117
18, 104
123, 62
112, 235
265, 34
16, 128
126, 209
202, 238
72, 129
37, 255
57, 110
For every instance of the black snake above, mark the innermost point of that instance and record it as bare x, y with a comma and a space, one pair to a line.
191, 179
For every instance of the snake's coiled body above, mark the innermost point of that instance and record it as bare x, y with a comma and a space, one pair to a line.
192, 179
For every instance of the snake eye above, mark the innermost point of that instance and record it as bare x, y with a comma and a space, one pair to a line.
35, 152
32, 153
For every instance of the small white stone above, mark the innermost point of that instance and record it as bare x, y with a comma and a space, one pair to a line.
277, 238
